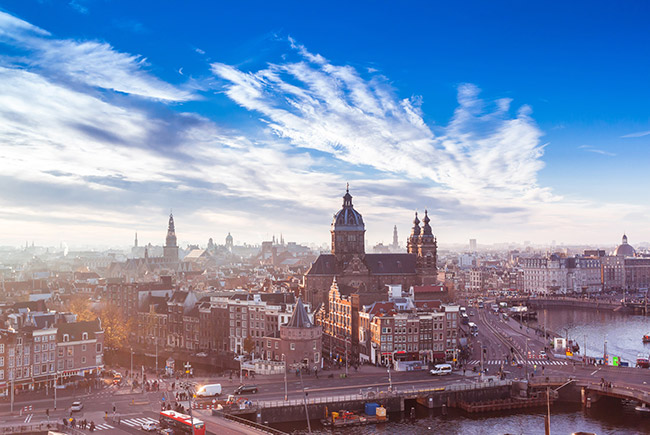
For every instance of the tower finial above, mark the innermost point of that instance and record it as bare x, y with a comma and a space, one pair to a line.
347, 187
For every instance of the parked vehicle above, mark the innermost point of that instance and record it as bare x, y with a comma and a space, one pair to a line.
209, 390
149, 426
441, 369
242, 389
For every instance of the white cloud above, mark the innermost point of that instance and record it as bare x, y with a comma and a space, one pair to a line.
637, 134
330, 108
92, 63
591, 149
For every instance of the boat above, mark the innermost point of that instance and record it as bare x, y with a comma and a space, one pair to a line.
374, 414
642, 408
646, 338
643, 362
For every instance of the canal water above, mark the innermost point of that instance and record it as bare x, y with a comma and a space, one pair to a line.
624, 339
623, 332
606, 417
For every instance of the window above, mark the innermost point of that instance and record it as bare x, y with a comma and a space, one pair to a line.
292, 346
37, 370
70, 365
2, 375
52, 345
83, 360
37, 339
26, 360
2, 348
99, 347
37, 347
84, 336
2, 361
83, 347
60, 364
66, 338
70, 351
37, 359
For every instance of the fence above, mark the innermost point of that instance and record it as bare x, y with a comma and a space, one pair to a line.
384, 394
252, 424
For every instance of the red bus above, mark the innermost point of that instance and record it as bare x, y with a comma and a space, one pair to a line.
180, 423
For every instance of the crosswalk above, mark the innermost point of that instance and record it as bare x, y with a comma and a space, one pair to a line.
530, 362
137, 422
29, 418
131, 422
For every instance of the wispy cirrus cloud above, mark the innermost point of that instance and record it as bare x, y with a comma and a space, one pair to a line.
329, 108
637, 134
591, 149
93, 63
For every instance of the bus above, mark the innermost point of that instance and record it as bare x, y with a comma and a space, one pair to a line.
473, 328
180, 423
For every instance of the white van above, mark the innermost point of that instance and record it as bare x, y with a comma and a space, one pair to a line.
209, 390
441, 369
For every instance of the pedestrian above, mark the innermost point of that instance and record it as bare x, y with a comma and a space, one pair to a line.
92, 426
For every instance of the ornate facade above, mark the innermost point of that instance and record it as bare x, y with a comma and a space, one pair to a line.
368, 274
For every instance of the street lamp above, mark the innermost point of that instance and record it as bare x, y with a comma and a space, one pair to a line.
390, 381
304, 398
155, 339
286, 395
526, 359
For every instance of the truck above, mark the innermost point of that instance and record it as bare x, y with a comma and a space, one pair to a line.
209, 390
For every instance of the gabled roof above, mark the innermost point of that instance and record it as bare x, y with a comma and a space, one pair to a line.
299, 318
75, 330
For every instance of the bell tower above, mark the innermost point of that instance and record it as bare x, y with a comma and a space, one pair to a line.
170, 250
424, 245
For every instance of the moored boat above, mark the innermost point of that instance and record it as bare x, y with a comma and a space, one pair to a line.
646, 338
643, 362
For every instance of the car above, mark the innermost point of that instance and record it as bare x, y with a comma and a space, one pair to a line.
201, 354
542, 354
246, 389
471, 313
149, 426
76, 406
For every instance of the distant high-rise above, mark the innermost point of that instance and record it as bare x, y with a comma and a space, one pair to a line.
472, 245
170, 250
395, 238
135, 244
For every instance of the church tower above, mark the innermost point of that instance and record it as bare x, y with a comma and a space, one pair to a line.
348, 230
170, 250
424, 244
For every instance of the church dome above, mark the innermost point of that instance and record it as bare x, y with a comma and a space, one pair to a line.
348, 219
624, 249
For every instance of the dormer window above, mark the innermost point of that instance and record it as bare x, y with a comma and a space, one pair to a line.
84, 336
66, 337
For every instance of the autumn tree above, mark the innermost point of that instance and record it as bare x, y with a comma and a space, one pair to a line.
80, 305
249, 344
116, 327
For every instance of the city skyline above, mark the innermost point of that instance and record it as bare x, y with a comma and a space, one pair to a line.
112, 116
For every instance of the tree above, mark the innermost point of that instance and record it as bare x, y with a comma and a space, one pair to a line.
116, 327
80, 305
249, 344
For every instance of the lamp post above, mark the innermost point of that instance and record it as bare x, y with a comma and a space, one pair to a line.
131, 372
286, 393
346, 356
480, 377
526, 359
390, 381
304, 399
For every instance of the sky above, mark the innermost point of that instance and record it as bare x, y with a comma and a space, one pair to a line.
507, 121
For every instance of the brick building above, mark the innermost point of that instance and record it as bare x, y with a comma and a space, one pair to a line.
368, 274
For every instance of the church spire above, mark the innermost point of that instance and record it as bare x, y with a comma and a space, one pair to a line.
416, 225
426, 230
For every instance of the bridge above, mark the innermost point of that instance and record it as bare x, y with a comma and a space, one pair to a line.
591, 391
563, 302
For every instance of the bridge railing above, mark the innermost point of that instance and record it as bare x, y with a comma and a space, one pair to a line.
383, 394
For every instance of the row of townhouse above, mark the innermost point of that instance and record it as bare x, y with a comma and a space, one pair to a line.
406, 327
36, 356
220, 321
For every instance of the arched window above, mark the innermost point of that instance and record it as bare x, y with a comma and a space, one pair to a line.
84, 336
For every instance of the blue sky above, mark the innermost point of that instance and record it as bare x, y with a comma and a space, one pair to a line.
508, 121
